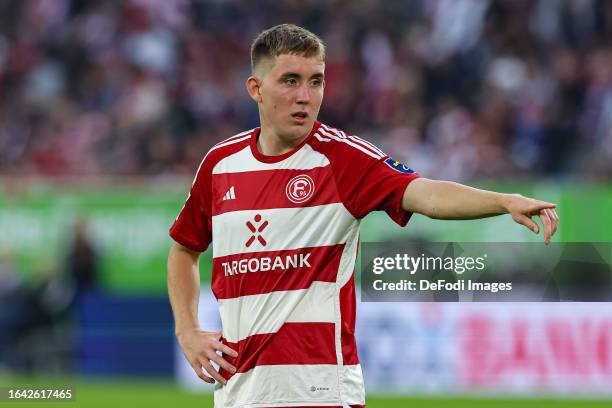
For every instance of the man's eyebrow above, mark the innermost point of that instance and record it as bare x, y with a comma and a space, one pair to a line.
318, 75
290, 75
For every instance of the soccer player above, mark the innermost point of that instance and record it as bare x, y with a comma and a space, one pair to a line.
281, 205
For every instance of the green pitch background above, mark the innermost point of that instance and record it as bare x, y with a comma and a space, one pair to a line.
156, 393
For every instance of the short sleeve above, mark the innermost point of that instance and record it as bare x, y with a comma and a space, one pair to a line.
193, 226
382, 189
367, 184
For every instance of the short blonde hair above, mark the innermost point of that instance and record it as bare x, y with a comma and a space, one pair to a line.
285, 39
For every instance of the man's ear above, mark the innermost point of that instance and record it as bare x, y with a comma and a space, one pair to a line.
253, 85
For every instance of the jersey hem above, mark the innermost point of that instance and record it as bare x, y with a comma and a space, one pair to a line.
289, 403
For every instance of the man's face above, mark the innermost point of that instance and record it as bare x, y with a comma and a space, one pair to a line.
291, 90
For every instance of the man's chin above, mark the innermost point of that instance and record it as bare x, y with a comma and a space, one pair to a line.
302, 125
296, 133
303, 129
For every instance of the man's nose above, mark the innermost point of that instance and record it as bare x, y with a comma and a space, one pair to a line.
303, 94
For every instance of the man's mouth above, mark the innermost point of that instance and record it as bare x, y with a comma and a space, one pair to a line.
299, 115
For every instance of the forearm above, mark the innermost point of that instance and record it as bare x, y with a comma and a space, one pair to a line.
452, 201
183, 287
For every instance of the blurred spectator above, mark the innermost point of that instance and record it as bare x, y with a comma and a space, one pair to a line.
461, 89
82, 259
29, 316
35, 313
11, 294
10, 279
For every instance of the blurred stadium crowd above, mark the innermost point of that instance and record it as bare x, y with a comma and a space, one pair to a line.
459, 89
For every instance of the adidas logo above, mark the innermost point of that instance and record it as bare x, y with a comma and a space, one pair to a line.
230, 195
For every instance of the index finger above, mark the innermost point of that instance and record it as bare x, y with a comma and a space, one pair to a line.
541, 205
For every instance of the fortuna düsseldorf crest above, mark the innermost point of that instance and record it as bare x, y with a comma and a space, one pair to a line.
300, 189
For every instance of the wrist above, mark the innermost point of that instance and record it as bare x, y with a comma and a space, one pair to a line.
506, 202
179, 332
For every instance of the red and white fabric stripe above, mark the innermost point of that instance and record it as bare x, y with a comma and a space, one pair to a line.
255, 190
287, 228
293, 343
304, 159
264, 272
268, 312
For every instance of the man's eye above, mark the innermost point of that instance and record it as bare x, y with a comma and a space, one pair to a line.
315, 83
290, 81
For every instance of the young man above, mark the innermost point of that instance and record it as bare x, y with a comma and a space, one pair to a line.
282, 205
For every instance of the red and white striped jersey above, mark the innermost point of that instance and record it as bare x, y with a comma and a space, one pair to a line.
285, 232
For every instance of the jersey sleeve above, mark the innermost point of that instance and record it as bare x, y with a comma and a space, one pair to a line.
193, 226
372, 181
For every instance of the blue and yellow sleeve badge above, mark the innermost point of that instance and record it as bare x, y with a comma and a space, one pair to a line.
397, 166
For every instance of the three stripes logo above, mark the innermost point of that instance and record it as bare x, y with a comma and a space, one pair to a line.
230, 195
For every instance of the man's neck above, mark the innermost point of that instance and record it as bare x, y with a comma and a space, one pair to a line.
271, 144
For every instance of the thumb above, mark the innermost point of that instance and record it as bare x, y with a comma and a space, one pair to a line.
528, 222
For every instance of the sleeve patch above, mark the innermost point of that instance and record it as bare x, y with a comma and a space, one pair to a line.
397, 166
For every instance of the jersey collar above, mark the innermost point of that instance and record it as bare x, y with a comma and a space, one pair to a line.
274, 159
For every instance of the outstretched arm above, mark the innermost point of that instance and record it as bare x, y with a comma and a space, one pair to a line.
446, 200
